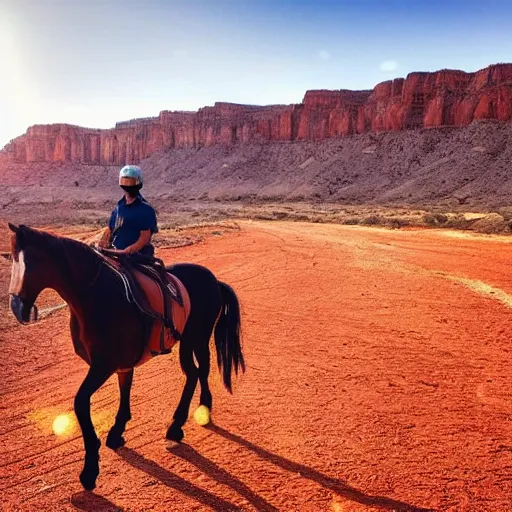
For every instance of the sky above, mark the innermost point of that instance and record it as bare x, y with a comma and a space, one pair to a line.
93, 63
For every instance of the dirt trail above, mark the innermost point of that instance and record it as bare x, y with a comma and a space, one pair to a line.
378, 379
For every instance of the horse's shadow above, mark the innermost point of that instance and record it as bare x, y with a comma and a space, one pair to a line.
174, 481
220, 475
337, 486
91, 502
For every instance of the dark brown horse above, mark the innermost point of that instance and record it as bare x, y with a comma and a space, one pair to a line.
109, 332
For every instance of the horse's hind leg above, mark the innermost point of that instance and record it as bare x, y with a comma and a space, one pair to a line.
202, 353
95, 378
175, 432
115, 437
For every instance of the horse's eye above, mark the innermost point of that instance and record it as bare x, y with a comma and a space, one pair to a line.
6, 256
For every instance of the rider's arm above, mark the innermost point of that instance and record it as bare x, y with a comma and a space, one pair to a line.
107, 234
105, 238
144, 239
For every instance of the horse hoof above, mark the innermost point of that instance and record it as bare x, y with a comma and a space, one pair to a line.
175, 434
170, 446
115, 442
88, 481
202, 415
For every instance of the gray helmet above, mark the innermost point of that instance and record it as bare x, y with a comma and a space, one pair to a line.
130, 175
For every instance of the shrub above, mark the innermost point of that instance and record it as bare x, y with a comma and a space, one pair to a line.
435, 219
458, 222
373, 220
397, 222
351, 221
492, 223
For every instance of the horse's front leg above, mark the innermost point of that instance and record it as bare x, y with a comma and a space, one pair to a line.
115, 437
96, 377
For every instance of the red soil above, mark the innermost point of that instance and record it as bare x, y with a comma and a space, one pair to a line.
374, 381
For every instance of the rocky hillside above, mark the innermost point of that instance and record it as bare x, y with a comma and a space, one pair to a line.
469, 166
443, 98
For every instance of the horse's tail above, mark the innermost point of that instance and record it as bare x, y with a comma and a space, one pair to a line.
227, 336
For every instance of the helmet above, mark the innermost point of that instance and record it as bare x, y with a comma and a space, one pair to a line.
130, 175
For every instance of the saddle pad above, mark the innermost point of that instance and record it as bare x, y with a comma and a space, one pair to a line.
161, 340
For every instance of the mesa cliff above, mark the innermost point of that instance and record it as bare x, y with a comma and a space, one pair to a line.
421, 100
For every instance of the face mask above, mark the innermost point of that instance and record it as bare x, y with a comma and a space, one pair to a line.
132, 191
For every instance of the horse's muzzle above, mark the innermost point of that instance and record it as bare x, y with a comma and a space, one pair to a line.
22, 311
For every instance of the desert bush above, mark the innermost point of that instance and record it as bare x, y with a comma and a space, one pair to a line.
490, 224
280, 215
302, 217
505, 212
458, 221
373, 220
263, 216
435, 219
351, 221
398, 222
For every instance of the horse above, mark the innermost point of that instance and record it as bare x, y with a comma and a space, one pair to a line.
109, 332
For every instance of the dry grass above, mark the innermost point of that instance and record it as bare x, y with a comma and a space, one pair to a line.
199, 216
394, 218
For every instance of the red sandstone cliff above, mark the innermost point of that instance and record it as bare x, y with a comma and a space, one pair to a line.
441, 98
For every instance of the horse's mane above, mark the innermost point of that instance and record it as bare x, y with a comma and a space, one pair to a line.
58, 245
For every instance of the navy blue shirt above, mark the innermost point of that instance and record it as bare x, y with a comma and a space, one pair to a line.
128, 220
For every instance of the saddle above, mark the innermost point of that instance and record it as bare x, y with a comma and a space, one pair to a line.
158, 295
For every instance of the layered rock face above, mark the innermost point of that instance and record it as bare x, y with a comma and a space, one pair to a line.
442, 98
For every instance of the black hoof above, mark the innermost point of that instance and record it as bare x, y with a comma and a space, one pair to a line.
114, 442
88, 480
175, 433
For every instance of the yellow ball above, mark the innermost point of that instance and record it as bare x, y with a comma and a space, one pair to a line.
61, 424
202, 415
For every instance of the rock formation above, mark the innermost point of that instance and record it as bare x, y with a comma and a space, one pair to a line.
442, 98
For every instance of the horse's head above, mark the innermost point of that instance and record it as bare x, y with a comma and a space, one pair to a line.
30, 274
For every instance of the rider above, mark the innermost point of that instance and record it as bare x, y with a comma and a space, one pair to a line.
133, 220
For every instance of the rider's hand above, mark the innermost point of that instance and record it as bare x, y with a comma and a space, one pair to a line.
129, 250
118, 251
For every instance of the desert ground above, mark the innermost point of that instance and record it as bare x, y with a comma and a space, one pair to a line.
378, 378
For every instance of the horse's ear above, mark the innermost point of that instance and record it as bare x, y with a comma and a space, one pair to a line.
18, 239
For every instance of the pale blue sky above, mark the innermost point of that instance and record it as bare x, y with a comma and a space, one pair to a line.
97, 62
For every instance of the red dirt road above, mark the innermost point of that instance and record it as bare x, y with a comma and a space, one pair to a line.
379, 378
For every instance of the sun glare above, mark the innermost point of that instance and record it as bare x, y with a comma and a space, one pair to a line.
8, 55
18, 92
62, 424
